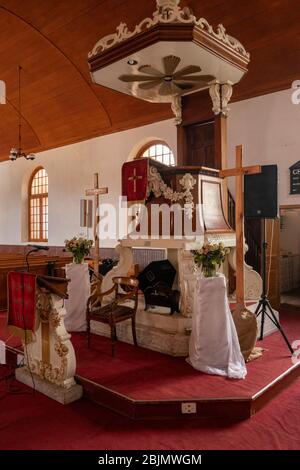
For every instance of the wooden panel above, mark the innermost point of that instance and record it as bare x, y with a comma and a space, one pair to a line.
197, 108
201, 145
60, 103
16, 262
213, 211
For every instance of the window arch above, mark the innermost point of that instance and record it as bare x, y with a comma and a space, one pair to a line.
38, 206
159, 151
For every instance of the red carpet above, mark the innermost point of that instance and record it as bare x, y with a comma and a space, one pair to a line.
36, 422
5, 335
145, 375
32, 421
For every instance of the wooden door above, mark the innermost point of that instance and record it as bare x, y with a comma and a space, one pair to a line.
200, 139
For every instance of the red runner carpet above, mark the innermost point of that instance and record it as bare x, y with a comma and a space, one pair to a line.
145, 375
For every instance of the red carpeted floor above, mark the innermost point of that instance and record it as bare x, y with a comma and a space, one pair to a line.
145, 375
32, 421
142, 374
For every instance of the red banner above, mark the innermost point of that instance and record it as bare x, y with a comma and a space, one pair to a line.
21, 303
134, 180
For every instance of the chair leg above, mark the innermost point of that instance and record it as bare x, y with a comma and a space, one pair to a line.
113, 335
133, 331
88, 330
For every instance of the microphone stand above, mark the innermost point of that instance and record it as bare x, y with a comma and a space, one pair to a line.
264, 307
34, 250
27, 255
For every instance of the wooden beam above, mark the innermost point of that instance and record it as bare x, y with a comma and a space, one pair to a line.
247, 170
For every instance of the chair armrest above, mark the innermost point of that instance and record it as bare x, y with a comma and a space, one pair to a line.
124, 297
99, 296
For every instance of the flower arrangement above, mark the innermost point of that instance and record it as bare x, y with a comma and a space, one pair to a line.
79, 247
209, 257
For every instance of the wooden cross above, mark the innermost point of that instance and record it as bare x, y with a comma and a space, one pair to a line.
96, 192
239, 173
134, 178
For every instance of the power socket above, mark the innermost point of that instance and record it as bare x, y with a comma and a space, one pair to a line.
188, 408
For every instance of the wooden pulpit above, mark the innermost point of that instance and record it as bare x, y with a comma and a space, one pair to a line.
36, 313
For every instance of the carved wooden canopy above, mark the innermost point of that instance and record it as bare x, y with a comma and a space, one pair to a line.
167, 56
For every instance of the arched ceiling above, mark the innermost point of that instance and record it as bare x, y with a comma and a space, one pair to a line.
50, 39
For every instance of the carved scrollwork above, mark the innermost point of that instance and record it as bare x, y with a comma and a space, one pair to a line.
220, 94
43, 305
222, 36
168, 11
57, 370
159, 188
176, 106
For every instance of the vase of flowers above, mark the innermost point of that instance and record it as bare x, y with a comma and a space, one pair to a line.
79, 247
210, 257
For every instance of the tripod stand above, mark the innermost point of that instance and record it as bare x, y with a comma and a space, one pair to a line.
264, 307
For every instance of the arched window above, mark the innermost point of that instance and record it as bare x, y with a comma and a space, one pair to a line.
38, 206
159, 151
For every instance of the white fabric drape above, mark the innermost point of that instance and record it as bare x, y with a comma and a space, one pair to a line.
79, 292
214, 346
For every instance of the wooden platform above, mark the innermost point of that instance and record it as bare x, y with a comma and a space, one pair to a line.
143, 384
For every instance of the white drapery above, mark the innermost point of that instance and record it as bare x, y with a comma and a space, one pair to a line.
79, 292
214, 346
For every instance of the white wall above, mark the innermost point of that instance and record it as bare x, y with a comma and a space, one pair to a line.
268, 127
70, 170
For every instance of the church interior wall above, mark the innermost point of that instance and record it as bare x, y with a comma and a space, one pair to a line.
267, 126
70, 171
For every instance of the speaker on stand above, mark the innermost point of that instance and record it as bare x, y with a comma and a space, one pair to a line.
261, 202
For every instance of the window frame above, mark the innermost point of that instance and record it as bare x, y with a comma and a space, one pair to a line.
40, 197
151, 144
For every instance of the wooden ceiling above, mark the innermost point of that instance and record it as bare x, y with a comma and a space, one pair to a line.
50, 39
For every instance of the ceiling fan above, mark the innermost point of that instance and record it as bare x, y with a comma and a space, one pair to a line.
169, 82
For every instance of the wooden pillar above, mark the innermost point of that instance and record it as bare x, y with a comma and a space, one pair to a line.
221, 153
221, 141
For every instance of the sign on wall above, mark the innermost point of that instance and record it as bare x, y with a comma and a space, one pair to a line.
295, 178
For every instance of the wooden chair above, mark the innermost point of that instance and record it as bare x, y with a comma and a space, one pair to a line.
115, 311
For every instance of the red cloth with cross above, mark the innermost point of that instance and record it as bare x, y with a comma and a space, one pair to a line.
134, 180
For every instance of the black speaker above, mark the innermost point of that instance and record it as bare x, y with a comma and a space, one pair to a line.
157, 271
261, 193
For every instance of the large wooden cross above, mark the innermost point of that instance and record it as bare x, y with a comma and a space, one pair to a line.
96, 192
239, 173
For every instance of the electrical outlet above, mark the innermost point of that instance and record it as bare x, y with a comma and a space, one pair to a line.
188, 408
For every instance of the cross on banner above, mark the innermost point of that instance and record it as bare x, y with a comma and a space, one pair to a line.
134, 178
239, 173
96, 192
